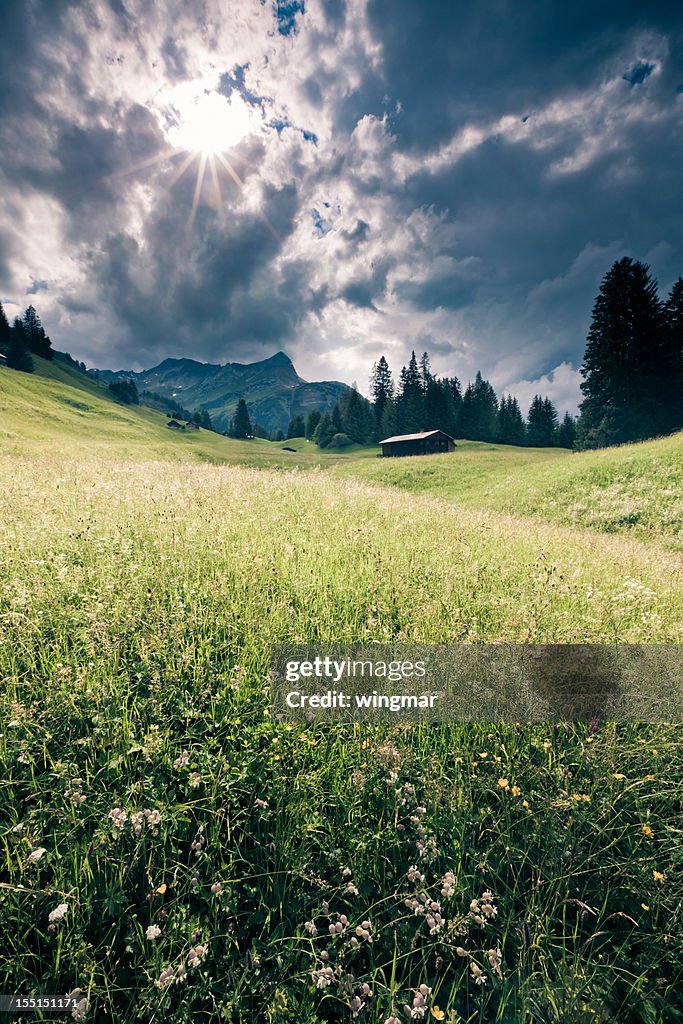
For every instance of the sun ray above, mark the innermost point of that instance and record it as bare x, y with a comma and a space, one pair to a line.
216, 182
197, 192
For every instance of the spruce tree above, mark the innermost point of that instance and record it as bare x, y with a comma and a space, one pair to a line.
478, 416
241, 421
410, 403
18, 354
566, 432
312, 422
325, 431
672, 388
622, 366
541, 423
381, 391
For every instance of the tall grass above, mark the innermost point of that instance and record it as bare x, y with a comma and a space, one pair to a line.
200, 852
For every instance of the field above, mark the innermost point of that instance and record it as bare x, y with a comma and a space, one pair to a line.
177, 855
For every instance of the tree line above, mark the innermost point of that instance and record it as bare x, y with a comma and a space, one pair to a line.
419, 400
22, 340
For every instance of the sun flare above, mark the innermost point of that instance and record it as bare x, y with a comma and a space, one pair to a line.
200, 120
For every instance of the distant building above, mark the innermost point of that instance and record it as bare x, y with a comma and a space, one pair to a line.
427, 442
174, 425
191, 425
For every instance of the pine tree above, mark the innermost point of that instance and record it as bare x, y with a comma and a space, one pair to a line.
381, 391
312, 422
478, 416
672, 389
325, 431
18, 354
5, 330
241, 421
296, 427
541, 423
36, 338
625, 352
566, 432
510, 424
410, 402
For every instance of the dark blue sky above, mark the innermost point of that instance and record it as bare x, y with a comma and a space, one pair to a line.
391, 176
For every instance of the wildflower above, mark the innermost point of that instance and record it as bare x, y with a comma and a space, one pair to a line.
194, 779
35, 855
152, 817
351, 889
118, 817
647, 831
58, 913
645, 906
216, 889
460, 951
346, 873
437, 1013
323, 978
80, 1009
478, 976
503, 784
165, 978
261, 804
356, 1005
658, 876
196, 955
310, 927
392, 1020
618, 775
448, 884
365, 990
182, 761
516, 791
153, 932
495, 959
414, 875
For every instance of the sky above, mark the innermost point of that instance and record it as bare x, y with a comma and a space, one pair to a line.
337, 179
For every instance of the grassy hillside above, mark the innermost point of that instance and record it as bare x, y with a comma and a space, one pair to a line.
635, 489
178, 855
69, 413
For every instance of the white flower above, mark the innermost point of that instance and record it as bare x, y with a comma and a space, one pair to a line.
80, 1009
58, 913
261, 804
216, 888
182, 761
118, 817
165, 978
153, 932
194, 779
35, 856
196, 955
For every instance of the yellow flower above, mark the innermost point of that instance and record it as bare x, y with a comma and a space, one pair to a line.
585, 797
645, 906
658, 876
654, 752
647, 831
516, 791
483, 756
649, 778
618, 775
503, 784
438, 1013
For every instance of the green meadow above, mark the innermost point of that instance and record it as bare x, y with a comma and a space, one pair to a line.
174, 854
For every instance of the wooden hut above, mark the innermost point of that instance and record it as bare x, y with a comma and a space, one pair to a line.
427, 442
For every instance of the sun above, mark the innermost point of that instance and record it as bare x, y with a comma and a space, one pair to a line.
201, 120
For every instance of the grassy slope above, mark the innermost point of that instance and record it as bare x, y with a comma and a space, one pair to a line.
71, 414
636, 489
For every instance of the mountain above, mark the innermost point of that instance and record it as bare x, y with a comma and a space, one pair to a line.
272, 389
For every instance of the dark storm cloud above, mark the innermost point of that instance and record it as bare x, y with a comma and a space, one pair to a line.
431, 174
